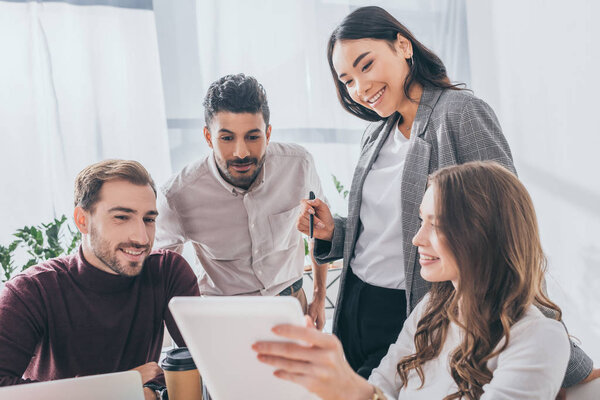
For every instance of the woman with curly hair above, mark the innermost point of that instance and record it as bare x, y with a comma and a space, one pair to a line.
480, 332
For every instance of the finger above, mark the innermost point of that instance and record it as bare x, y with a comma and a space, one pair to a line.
289, 350
310, 318
299, 379
310, 336
320, 323
286, 364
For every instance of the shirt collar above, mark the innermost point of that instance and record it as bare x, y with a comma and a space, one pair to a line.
214, 169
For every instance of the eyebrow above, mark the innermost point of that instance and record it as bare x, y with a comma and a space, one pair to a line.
131, 211
355, 63
429, 216
255, 130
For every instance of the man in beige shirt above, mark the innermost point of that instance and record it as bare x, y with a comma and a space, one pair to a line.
239, 205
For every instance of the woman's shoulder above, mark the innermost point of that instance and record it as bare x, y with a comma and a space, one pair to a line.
536, 330
453, 101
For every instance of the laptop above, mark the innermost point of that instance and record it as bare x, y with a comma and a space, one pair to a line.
117, 386
219, 332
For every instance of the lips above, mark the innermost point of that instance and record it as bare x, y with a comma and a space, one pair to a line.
426, 259
375, 100
242, 165
133, 253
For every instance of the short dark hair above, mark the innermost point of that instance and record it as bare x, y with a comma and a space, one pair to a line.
237, 94
90, 180
374, 22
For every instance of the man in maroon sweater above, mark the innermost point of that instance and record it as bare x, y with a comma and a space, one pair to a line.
101, 310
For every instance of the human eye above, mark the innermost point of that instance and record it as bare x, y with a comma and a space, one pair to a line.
122, 217
367, 65
226, 138
253, 137
150, 220
349, 82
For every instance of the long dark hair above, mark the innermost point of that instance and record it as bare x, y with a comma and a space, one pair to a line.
501, 270
375, 23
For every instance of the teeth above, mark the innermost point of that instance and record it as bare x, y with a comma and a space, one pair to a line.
422, 257
376, 97
133, 253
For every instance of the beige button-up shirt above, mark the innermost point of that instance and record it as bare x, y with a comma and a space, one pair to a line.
246, 241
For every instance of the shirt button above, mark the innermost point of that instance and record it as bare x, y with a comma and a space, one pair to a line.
259, 272
252, 226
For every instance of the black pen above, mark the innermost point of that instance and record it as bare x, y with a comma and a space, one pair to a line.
311, 217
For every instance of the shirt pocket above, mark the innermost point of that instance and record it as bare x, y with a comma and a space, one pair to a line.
283, 229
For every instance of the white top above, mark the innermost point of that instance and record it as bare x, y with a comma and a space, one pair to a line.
531, 367
378, 256
246, 241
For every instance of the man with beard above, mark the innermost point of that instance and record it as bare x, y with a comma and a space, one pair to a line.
239, 205
103, 309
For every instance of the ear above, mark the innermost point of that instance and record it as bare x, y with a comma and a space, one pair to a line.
207, 137
268, 133
81, 218
404, 46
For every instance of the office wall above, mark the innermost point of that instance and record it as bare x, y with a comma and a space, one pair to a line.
536, 63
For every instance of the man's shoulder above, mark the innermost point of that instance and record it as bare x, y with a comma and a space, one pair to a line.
191, 174
288, 152
43, 274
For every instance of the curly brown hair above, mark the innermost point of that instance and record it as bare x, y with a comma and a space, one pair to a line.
501, 272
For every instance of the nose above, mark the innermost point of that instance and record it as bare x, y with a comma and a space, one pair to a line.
418, 239
241, 149
139, 233
362, 87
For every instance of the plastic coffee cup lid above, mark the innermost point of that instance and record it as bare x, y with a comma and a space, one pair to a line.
178, 360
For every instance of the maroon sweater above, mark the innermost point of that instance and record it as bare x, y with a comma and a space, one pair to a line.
66, 318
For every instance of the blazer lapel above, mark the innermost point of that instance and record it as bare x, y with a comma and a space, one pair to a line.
414, 184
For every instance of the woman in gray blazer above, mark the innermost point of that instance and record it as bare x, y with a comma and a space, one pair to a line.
421, 122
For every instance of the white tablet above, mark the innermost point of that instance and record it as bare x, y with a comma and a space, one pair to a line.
219, 332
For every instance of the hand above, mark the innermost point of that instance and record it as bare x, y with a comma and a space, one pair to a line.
595, 374
149, 394
318, 365
149, 371
323, 220
316, 311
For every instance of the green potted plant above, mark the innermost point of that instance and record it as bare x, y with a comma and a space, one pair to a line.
38, 243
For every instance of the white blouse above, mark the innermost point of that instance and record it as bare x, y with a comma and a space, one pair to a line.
378, 258
531, 367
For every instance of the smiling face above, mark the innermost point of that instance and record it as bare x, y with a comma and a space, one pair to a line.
374, 73
239, 142
118, 232
438, 264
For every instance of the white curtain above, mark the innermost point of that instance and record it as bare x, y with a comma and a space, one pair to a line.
283, 44
536, 63
79, 82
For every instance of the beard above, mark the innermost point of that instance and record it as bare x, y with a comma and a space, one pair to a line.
108, 256
242, 181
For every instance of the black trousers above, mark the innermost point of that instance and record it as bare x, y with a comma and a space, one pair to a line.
370, 320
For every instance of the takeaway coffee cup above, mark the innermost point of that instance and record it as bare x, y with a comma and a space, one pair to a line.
181, 375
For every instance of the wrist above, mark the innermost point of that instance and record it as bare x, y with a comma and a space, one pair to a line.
319, 295
363, 390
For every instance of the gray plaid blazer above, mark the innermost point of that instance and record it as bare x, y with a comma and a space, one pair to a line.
451, 127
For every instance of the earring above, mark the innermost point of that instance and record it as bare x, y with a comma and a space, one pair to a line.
412, 61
